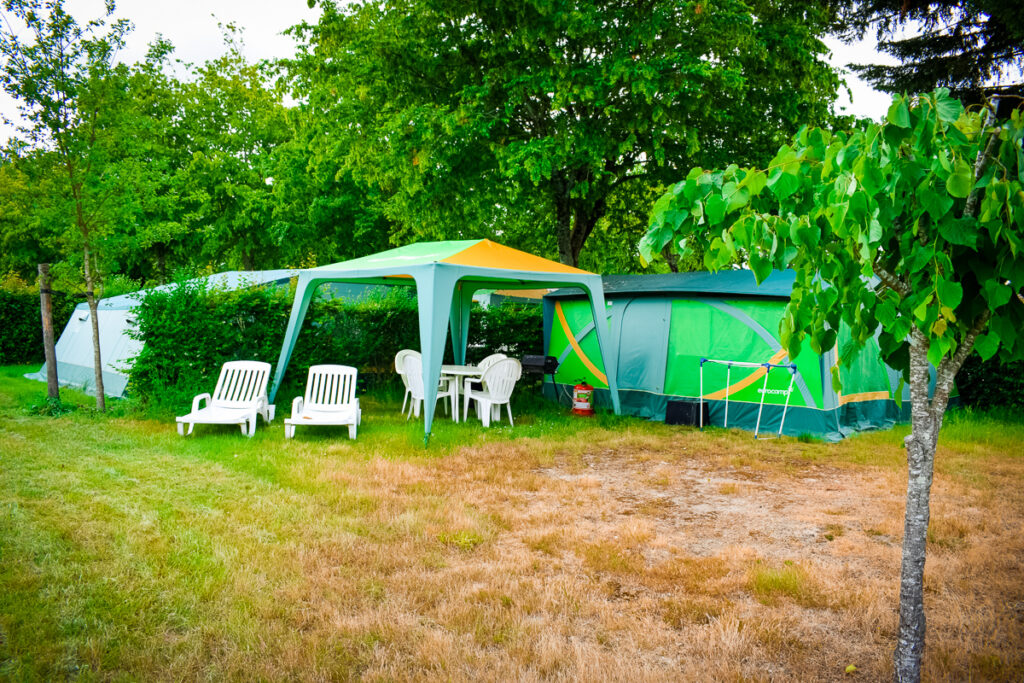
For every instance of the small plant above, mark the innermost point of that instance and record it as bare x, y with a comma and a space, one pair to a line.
833, 531
768, 584
463, 539
51, 407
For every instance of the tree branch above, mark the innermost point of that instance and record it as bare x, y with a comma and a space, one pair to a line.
971, 208
891, 281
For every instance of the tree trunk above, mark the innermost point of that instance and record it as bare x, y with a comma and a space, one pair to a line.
926, 422
920, 463
671, 259
49, 353
563, 220
97, 359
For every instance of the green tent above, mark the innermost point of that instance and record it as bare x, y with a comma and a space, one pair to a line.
666, 329
446, 274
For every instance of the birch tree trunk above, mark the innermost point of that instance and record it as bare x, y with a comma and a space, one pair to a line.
97, 358
920, 464
927, 414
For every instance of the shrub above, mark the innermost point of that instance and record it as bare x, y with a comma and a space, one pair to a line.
991, 384
21, 341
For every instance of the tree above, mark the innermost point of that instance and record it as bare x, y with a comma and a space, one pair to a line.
233, 120
153, 233
58, 78
964, 46
474, 119
27, 238
914, 229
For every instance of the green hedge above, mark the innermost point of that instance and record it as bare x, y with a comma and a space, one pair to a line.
191, 331
21, 328
991, 384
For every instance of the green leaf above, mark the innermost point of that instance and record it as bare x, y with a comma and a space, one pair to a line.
755, 181
921, 310
714, 209
950, 293
898, 114
961, 231
782, 184
761, 267
937, 350
996, 293
986, 345
875, 231
959, 184
947, 108
737, 197
935, 203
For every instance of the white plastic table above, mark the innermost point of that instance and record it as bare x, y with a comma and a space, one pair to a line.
457, 373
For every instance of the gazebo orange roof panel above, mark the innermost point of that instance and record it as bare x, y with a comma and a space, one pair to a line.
488, 254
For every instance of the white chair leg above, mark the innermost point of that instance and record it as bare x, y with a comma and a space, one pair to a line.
510, 422
405, 399
485, 411
465, 406
352, 431
289, 431
181, 429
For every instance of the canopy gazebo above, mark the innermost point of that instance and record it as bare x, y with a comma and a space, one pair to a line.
446, 274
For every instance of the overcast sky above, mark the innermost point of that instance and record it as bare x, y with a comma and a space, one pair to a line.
191, 26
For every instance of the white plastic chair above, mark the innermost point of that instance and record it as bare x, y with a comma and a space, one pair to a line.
414, 373
239, 397
400, 369
330, 400
483, 365
498, 382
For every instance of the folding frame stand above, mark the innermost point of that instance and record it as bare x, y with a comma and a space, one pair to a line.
729, 364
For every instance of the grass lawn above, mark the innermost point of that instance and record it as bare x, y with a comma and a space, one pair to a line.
564, 548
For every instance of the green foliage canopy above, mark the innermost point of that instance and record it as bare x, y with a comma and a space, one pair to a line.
897, 200
475, 119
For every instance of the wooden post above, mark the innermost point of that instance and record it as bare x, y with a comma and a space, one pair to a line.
46, 309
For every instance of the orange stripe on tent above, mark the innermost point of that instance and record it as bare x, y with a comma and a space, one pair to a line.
866, 396
746, 381
576, 347
488, 254
859, 398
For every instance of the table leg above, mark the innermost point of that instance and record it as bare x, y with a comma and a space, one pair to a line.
455, 394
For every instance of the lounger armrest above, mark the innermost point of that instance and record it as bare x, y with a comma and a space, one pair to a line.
198, 399
296, 407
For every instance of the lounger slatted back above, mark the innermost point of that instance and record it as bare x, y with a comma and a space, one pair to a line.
241, 383
330, 386
330, 399
239, 397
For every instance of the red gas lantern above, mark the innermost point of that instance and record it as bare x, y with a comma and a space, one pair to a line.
582, 399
